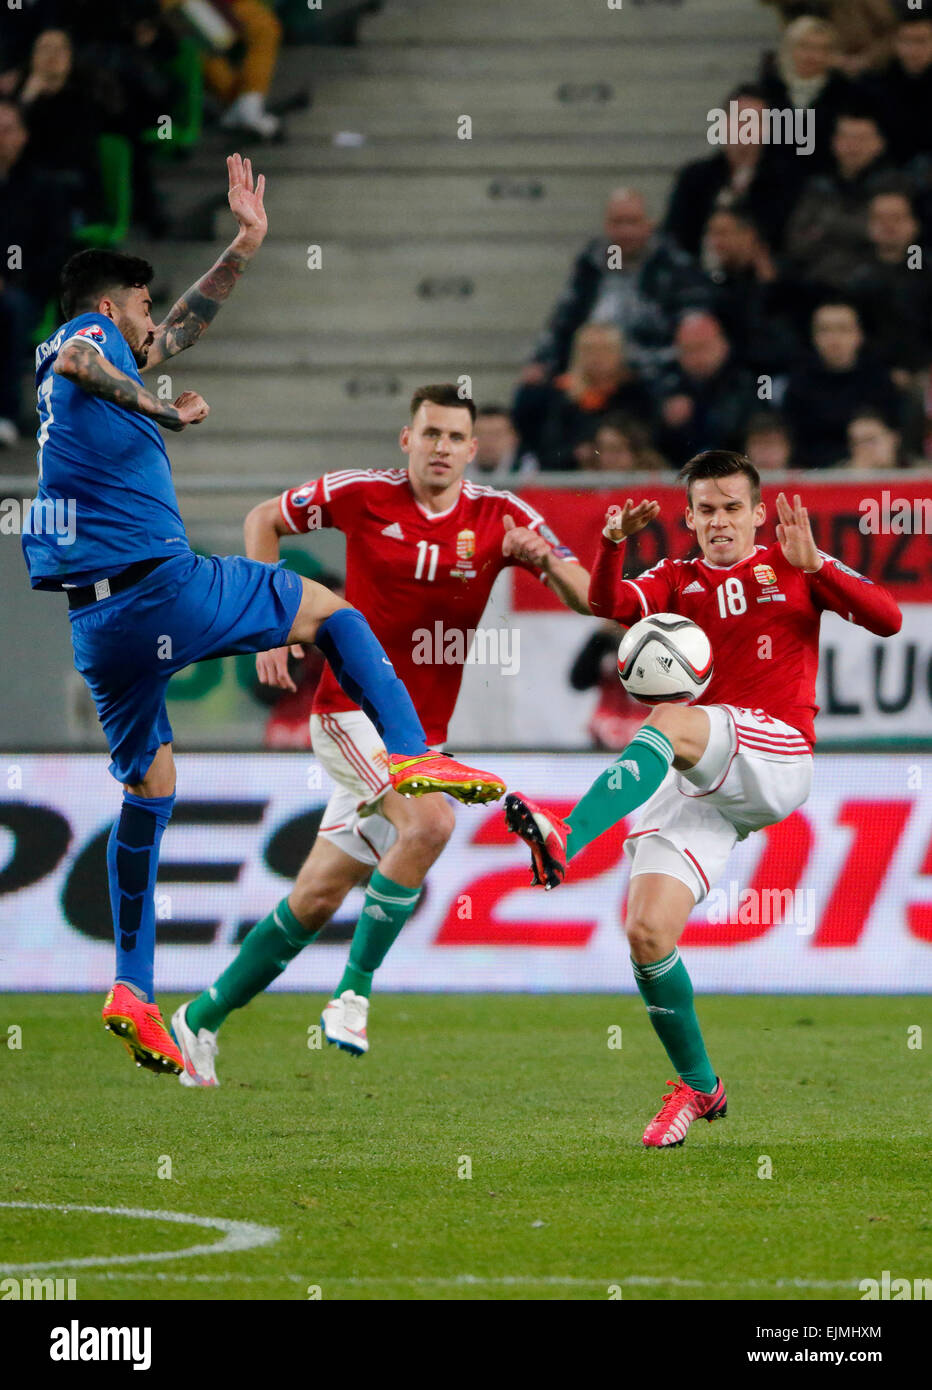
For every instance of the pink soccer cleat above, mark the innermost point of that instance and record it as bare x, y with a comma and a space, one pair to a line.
667, 1130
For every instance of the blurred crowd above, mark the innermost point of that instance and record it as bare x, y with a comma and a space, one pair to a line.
782, 305
75, 71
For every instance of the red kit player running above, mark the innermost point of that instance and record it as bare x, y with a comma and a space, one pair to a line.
741, 755
424, 548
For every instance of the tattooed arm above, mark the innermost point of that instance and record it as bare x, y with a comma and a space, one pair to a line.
83, 365
197, 308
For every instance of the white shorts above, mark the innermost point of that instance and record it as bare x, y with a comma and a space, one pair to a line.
754, 772
350, 749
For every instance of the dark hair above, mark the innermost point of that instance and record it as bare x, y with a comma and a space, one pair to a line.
720, 463
894, 187
747, 89
767, 422
445, 393
89, 274
838, 301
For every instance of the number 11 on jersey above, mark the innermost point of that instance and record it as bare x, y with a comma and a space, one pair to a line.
425, 548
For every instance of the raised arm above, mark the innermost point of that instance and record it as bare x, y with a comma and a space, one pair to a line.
832, 584
198, 306
567, 578
83, 365
609, 595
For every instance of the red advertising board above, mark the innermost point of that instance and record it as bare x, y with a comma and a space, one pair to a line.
883, 531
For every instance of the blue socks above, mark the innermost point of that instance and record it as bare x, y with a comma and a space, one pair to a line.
358, 661
132, 865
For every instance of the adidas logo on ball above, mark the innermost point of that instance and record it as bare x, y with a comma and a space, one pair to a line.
665, 659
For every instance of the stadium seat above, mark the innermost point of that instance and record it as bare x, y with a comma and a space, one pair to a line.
116, 175
187, 119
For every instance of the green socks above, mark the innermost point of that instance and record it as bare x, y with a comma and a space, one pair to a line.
271, 945
387, 907
668, 993
634, 776
275, 941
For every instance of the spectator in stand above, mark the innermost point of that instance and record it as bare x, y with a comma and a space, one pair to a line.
754, 303
893, 285
64, 115
621, 445
873, 445
554, 420
135, 54
643, 296
745, 174
803, 74
242, 88
34, 233
864, 28
841, 378
768, 443
499, 458
826, 237
616, 717
706, 399
902, 91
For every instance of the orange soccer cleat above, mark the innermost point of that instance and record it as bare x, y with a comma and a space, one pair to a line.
140, 1028
435, 772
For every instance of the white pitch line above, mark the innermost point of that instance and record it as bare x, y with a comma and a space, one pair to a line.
496, 1281
239, 1235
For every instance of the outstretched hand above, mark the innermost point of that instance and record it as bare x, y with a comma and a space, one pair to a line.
521, 543
795, 535
621, 522
246, 202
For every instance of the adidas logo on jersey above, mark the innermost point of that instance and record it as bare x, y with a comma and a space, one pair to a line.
694, 588
394, 532
379, 913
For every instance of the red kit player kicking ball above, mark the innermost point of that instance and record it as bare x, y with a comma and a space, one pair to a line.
423, 548
741, 755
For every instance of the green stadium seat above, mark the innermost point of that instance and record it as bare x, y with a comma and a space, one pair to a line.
187, 118
116, 175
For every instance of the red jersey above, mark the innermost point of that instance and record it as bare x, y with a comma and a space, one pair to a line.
422, 579
761, 616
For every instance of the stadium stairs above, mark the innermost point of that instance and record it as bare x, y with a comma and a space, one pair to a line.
440, 256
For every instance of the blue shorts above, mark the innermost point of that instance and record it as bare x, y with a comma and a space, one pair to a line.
128, 647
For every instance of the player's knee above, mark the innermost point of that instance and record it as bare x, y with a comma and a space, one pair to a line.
645, 937
687, 733
428, 833
315, 903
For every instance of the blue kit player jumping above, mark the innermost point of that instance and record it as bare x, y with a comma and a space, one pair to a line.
143, 605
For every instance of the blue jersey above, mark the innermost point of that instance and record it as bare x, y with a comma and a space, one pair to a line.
105, 497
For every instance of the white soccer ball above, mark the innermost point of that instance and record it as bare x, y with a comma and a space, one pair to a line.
665, 659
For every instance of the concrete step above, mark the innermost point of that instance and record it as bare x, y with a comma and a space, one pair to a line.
336, 399
326, 149
253, 462
415, 354
377, 206
408, 288
448, 21
576, 59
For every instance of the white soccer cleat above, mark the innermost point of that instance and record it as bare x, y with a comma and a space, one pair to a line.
344, 1022
199, 1051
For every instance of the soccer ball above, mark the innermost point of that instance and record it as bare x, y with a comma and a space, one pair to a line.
665, 659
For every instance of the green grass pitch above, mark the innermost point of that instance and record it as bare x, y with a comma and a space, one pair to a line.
357, 1163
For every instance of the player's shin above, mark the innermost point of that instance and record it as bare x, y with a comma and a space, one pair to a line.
132, 865
387, 908
365, 673
634, 776
268, 950
667, 991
